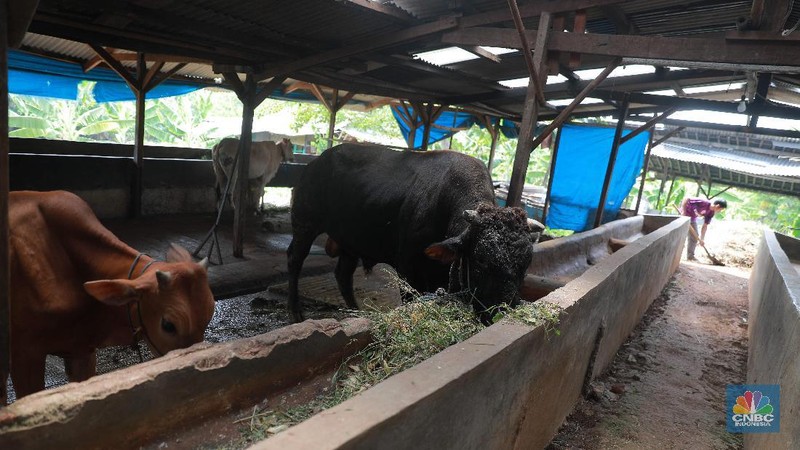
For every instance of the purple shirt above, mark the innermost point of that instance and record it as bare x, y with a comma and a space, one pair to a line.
694, 207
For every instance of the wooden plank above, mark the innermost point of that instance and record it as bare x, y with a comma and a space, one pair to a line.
533, 9
564, 114
646, 126
735, 128
116, 66
265, 90
645, 167
662, 139
137, 188
378, 42
150, 74
163, 77
612, 160
766, 109
530, 115
578, 27
533, 71
699, 50
243, 166
485, 54
19, 16
384, 10
5, 262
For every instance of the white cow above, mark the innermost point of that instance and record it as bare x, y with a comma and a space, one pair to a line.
265, 158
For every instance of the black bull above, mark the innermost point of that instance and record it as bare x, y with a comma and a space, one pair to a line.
430, 215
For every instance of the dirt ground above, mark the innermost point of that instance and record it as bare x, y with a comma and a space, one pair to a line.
666, 386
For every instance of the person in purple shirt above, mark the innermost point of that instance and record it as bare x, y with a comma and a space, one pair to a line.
694, 207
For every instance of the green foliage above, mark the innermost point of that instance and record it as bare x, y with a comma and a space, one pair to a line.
179, 120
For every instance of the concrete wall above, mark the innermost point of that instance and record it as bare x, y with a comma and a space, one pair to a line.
128, 407
774, 331
509, 386
175, 180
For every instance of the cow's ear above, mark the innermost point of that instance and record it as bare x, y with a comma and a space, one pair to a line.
446, 251
112, 292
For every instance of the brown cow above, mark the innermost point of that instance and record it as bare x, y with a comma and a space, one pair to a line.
76, 287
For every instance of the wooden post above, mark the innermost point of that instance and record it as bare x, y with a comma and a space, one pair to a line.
494, 132
243, 167
427, 119
138, 144
546, 206
5, 264
644, 172
530, 115
661, 190
612, 159
332, 121
669, 192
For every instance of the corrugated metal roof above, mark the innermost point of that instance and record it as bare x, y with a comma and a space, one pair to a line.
733, 160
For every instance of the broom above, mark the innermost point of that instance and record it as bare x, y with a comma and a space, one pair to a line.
713, 259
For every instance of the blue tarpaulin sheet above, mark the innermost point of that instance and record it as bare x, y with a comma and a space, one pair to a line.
581, 164
45, 77
447, 124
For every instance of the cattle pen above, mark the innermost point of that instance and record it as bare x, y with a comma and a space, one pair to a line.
227, 378
591, 275
598, 101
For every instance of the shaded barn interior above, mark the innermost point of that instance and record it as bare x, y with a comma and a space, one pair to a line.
556, 62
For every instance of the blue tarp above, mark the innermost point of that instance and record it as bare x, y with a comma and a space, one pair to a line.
45, 77
447, 124
583, 154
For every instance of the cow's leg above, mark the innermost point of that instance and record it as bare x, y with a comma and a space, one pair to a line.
296, 254
345, 268
27, 371
80, 367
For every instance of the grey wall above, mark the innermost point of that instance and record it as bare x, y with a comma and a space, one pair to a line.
774, 331
175, 180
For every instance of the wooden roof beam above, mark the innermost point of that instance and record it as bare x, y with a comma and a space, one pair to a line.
621, 21
19, 14
378, 42
387, 11
479, 51
713, 53
533, 9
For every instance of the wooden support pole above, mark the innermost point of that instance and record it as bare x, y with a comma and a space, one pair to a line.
332, 110
243, 167
671, 189
5, 263
427, 115
533, 71
530, 115
553, 159
661, 190
644, 172
138, 143
494, 132
612, 159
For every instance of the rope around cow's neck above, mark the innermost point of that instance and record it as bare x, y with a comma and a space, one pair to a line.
141, 329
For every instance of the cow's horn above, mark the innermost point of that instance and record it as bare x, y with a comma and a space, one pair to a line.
471, 216
535, 225
204, 263
163, 278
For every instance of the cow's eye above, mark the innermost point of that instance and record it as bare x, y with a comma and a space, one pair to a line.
168, 326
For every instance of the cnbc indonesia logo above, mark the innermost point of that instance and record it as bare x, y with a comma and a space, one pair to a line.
753, 411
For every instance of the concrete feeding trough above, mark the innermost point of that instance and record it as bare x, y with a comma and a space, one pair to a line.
774, 334
509, 386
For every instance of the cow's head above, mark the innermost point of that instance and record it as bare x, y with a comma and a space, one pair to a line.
286, 149
171, 301
490, 257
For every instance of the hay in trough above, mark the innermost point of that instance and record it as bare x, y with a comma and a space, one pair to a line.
402, 338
